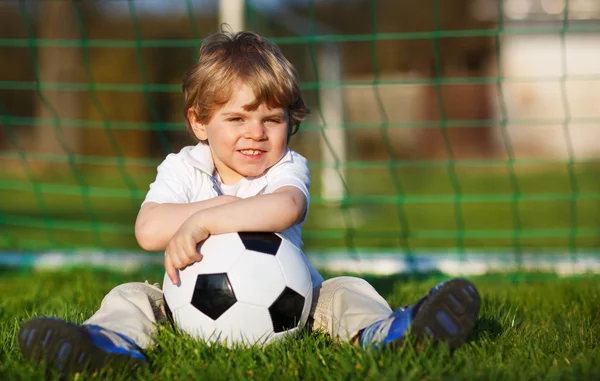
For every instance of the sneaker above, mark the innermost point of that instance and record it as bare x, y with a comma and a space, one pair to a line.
71, 348
448, 313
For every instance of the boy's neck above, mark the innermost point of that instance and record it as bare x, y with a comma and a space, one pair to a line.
220, 179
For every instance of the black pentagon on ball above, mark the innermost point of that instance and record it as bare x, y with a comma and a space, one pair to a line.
267, 243
213, 294
286, 310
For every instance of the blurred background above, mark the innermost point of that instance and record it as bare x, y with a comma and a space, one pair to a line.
443, 134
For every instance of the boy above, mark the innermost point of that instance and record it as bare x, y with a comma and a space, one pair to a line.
243, 103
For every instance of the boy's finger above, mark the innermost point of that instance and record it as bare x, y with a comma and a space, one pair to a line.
196, 254
192, 254
171, 271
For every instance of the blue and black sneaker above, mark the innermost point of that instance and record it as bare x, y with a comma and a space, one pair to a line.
69, 348
448, 313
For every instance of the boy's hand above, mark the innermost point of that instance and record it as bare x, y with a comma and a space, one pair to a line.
181, 250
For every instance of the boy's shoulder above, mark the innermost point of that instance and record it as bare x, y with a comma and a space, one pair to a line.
190, 157
292, 160
292, 169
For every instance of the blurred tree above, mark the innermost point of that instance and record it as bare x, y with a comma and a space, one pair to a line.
16, 67
141, 66
57, 65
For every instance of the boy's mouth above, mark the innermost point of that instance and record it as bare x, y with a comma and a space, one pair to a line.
251, 152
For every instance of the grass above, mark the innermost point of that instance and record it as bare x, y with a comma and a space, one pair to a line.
531, 327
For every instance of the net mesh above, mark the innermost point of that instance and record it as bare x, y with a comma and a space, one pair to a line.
434, 128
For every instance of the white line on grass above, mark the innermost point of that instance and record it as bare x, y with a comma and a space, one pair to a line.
378, 263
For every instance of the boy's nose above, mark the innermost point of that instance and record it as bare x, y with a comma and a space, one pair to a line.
255, 130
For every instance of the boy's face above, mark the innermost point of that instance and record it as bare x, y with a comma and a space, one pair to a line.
244, 143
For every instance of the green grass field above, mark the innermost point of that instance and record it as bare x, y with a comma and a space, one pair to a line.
531, 327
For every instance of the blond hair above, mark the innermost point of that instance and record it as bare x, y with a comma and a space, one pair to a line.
228, 58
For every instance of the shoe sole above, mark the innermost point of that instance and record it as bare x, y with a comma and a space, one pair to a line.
67, 347
449, 314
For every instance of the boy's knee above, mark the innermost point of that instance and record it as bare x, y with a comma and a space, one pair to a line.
130, 286
349, 282
152, 291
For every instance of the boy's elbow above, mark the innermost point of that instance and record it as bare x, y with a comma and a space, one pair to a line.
296, 208
145, 236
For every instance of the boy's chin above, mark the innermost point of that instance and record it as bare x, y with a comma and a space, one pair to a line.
255, 173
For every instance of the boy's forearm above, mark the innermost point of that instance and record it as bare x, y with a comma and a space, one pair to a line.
268, 213
156, 223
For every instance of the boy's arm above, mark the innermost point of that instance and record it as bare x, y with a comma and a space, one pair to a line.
156, 223
272, 212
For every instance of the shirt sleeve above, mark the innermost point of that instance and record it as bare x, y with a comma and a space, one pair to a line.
173, 182
293, 173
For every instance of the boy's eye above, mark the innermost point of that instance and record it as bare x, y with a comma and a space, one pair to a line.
273, 121
236, 119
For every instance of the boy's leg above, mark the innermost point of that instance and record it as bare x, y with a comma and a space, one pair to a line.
350, 309
114, 334
132, 310
344, 306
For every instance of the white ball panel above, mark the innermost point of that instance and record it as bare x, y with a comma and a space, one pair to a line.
259, 290
295, 271
219, 253
195, 323
244, 324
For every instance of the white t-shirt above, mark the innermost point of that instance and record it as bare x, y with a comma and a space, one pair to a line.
190, 176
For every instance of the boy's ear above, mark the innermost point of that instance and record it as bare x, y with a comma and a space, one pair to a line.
198, 128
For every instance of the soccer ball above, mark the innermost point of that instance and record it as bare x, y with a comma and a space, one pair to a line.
249, 288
